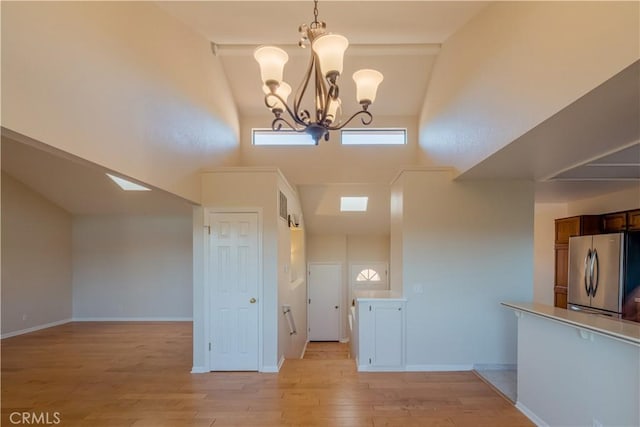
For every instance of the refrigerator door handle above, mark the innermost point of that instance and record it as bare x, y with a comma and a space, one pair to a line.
587, 282
595, 270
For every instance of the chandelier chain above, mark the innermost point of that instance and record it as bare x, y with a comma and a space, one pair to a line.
315, 12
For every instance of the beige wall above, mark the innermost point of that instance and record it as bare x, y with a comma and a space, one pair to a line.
467, 246
611, 202
367, 248
292, 291
543, 249
396, 236
258, 188
106, 78
36, 259
132, 267
330, 161
537, 58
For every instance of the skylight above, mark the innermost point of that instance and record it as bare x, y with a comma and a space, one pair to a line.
353, 204
127, 185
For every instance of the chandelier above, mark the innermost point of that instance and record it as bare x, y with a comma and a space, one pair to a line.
325, 66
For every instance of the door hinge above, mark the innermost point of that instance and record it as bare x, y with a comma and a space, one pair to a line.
208, 227
309, 300
369, 308
209, 346
369, 361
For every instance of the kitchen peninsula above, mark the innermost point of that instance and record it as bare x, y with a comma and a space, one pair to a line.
577, 369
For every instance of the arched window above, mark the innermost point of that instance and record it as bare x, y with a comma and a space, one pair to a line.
368, 275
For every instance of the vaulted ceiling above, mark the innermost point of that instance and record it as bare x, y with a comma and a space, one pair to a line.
493, 89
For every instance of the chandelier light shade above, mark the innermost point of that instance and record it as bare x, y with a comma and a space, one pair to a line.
271, 60
367, 82
330, 52
324, 69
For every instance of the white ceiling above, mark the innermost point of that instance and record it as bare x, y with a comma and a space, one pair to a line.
321, 207
80, 187
398, 38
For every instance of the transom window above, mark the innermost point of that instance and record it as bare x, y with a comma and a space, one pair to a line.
281, 137
374, 136
368, 275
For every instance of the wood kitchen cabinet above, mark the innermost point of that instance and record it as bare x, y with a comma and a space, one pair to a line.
564, 228
614, 222
633, 220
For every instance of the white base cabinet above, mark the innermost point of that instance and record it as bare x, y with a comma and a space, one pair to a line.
379, 334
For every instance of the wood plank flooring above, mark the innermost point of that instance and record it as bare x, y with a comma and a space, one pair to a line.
137, 374
327, 350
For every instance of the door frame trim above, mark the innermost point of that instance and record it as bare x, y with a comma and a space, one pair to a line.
207, 276
343, 298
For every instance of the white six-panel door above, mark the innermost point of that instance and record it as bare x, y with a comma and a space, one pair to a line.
325, 297
233, 271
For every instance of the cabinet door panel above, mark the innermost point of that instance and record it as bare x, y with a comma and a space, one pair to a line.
567, 227
615, 222
388, 335
633, 220
562, 265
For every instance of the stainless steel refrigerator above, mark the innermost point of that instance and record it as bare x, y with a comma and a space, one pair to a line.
603, 270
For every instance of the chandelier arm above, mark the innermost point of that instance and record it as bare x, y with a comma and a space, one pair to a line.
302, 88
295, 118
276, 125
322, 95
365, 120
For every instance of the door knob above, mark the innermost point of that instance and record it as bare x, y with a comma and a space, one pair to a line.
336, 306
252, 300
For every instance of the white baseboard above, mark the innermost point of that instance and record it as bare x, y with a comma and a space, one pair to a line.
369, 368
270, 369
34, 328
304, 349
280, 363
495, 367
199, 370
132, 319
529, 414
344, 340
438, 368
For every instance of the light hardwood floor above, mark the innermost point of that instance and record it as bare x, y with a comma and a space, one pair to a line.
327, 350
137, 374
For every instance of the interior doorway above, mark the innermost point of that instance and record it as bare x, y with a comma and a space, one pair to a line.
233, 271
325, 300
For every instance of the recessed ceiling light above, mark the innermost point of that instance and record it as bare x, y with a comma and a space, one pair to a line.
127, 185
353, 204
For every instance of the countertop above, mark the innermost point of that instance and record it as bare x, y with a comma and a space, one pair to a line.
371, 295
622, 330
